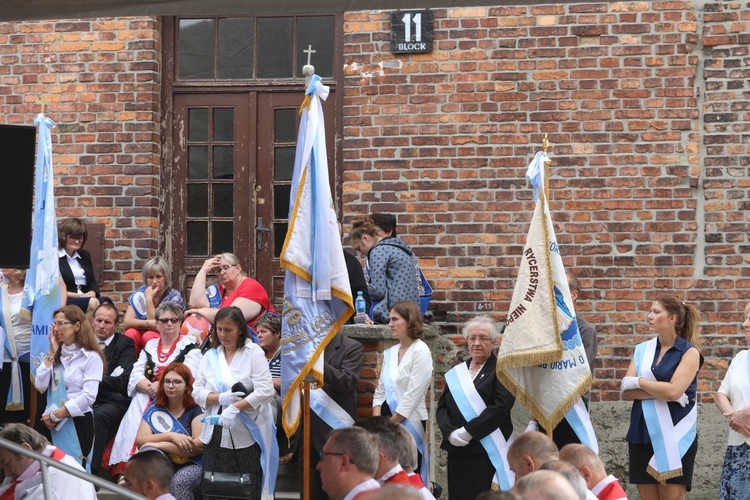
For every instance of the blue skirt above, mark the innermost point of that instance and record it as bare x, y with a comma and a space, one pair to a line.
735, 477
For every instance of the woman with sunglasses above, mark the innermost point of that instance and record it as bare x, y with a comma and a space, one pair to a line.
76, 268
235, 288
170, 347
70, 373
173, 426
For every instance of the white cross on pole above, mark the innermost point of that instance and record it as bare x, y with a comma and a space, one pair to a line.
309, 53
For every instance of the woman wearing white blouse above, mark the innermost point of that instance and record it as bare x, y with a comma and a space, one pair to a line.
234, 383
405, 375
75, 359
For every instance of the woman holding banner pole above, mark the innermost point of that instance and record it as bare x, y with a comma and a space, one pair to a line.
661, 381
474, 406
405, 377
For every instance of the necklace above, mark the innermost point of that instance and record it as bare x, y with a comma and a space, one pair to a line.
161, 355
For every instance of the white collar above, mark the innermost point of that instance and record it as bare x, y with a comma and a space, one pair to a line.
62, 253
368, 485
385, 477
603, 484
107, 341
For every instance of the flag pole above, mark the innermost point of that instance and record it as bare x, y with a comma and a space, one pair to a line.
308, 71
547, 164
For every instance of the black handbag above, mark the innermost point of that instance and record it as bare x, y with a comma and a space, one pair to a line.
227, 484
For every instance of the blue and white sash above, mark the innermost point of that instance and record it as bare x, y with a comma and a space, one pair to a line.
329, 410
265, 436
138, 302
66, 438
579, 419
15, 394
670, 441
471, 405
213, 294
412, 422
161, 420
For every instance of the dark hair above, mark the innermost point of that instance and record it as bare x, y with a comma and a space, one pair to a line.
270, 320
184, 372
71, 227
21, 433
233, 314
413, 316
106, 303
85, 337
152, 464
687, 318
386, 222
573, 283
362, 225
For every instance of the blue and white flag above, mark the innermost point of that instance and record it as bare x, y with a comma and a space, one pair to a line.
542, 361
317, 296
41, 293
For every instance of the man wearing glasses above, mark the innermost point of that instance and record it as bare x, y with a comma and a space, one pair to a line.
348, 464
112, 401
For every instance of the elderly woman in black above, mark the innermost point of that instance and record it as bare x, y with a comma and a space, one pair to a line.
475, 405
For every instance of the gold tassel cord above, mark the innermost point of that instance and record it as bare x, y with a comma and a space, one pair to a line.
305, 105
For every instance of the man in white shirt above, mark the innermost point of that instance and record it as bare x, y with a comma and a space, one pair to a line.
149, 473
348, 464
23, 478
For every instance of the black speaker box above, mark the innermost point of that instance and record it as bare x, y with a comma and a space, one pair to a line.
17, 144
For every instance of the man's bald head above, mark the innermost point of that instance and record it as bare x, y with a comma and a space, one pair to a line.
529, 451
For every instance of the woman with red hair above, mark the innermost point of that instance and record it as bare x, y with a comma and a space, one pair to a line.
172, 425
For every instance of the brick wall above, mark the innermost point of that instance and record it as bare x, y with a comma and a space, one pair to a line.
644, 104
103, 79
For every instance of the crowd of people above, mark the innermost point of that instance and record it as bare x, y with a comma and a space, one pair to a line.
157, 407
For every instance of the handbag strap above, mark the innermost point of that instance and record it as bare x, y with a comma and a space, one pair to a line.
236, 456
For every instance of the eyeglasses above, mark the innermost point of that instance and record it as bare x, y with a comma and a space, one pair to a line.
75, 238
174, 383
165, 321
478, 340
335, 454
224, 268
63, 323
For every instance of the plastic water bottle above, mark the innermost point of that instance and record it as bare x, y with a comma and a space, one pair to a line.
211, 419
361, 307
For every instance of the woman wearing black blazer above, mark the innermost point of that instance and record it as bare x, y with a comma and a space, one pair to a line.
76, 268
475, 406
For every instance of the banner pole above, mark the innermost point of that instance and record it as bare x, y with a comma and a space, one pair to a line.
547, 164
307, 443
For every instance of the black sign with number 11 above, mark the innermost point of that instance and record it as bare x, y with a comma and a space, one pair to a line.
411, 31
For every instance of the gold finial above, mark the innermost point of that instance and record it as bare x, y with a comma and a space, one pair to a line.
43, 101
545, 144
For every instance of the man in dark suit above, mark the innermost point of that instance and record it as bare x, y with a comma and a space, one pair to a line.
112, 401
341, 373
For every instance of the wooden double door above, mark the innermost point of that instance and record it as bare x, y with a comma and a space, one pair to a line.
233, 160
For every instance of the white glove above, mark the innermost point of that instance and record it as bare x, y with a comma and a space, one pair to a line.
226, 419
629, 383
533, 426
455, 440
682, 400
229, 398
463, 434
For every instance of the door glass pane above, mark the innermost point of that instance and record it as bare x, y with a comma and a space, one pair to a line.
275, 47
223, 162
195, 49
222, 237
284, 125
317, 32
197, 200
197, 238
223, 200
281, 201
223, 124
279, 235
236, 44
198, 125
283, 163
198, 162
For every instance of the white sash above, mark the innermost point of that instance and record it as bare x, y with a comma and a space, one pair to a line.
15, 394
579, 420
329, 410
412, 423
670, 441
471, 405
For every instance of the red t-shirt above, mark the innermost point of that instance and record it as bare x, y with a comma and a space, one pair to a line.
251, 290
